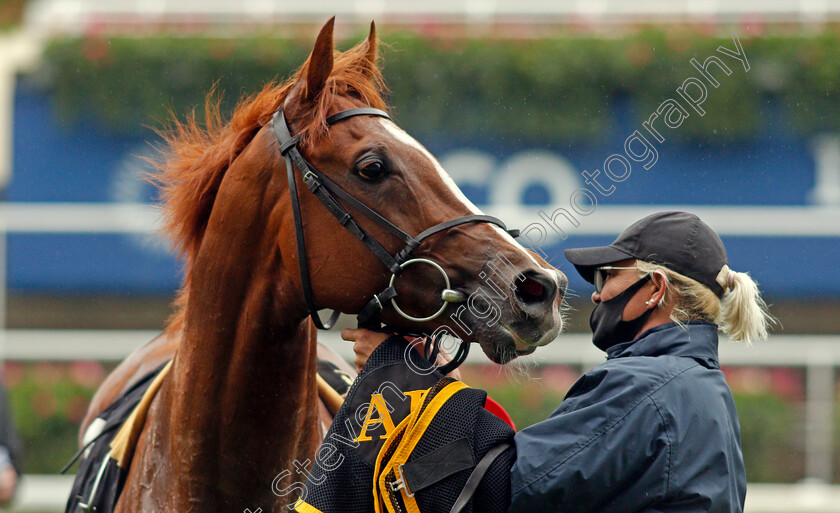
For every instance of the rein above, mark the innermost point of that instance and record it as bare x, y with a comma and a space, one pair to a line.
327, 191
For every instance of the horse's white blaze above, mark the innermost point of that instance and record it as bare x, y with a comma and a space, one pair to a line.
402, 136
505, 235
406, 139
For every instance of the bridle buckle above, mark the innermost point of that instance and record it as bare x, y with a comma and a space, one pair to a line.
311, 179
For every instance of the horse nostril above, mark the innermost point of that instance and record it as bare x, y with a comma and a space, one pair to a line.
535, 289
530, 291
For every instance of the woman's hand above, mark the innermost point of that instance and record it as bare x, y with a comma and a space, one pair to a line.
365, 341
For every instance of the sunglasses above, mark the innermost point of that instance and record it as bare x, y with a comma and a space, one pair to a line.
601, 275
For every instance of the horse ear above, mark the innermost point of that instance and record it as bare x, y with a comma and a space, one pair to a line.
320, 62
372, 48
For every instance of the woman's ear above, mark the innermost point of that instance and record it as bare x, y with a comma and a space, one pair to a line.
660, 286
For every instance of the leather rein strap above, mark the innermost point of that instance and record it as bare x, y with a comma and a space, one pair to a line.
327, 192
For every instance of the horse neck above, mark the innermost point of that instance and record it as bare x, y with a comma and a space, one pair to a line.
242, 401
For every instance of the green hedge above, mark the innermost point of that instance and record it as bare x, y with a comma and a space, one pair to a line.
536, 91
49, 400
770, 438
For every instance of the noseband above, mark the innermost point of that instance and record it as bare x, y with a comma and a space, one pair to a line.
327, 191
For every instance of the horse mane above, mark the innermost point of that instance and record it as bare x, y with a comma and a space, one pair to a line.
196, 155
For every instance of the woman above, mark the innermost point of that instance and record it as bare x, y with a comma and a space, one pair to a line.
654, 428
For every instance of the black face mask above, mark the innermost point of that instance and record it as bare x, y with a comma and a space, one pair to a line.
608, 329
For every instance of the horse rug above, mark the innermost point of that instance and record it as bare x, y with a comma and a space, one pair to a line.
409, 440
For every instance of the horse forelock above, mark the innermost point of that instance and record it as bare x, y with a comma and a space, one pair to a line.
195, 155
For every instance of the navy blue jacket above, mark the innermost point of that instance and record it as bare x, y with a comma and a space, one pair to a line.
653, 429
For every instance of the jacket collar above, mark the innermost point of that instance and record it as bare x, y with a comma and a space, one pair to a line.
697, 339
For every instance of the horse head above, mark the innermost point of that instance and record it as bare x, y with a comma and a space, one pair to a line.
225, 187
510, 297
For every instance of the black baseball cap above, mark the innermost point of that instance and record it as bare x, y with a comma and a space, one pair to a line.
679, 241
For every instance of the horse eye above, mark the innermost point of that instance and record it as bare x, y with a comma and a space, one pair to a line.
371, 171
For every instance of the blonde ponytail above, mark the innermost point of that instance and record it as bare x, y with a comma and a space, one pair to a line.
743, 313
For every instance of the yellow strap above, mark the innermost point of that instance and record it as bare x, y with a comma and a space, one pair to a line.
123, 445
413, 434
305, 508
378, 500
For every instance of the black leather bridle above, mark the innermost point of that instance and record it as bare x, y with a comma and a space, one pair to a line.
327, 192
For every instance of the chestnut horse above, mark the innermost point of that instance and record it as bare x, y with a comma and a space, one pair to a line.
240, 402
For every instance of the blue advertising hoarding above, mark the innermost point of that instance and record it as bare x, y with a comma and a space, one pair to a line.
85, 162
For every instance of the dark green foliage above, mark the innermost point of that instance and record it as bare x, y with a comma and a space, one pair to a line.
534, 91
769, 438
49, 400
